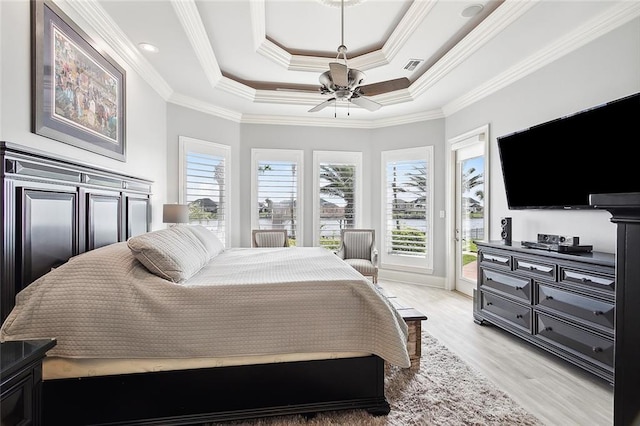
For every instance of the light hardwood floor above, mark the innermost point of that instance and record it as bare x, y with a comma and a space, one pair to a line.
553, 390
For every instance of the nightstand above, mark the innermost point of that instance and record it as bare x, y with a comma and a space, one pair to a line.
21, 380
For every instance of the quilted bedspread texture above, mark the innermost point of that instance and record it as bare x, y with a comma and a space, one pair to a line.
106, 304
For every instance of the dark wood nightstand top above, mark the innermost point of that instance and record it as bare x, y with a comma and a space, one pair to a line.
15, 355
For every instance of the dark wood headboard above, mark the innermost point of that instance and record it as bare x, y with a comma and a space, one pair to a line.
56, 208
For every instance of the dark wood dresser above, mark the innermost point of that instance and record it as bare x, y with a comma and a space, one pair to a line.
21, 377
563, 303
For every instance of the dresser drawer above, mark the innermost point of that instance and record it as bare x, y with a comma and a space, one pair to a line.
586, 345
546, 270
499, 260
519, 287
512, 312
596, 312
589, 279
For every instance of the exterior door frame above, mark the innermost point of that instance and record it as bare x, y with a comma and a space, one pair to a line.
480, 134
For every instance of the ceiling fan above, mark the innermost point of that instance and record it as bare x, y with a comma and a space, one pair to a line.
344, 82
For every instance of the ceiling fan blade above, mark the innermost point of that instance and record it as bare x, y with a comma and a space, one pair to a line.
385, 86
366, 103
322, 105
339, 74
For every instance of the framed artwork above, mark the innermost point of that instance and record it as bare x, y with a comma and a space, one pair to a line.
78, 93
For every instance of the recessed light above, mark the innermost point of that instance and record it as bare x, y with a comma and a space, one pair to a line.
472, 10
148, 47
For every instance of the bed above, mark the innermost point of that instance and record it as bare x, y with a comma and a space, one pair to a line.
210, 335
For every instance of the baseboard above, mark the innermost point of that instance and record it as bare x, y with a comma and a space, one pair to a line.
411, 278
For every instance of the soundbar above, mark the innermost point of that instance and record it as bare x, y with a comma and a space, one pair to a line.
560, 248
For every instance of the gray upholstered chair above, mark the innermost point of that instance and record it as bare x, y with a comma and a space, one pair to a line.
358, 249
269, 238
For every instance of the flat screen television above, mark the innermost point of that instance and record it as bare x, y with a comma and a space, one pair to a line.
557, 164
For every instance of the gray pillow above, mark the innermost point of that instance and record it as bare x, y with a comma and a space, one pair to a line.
174, 254
208, 239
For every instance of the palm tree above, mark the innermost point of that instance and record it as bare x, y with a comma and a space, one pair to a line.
470, 181
341, 184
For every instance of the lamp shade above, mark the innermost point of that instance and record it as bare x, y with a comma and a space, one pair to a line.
175, 213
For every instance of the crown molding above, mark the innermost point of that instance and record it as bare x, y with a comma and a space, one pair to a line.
306, 121
342, 122
290, 98
410, 21
395, 97
507, 13
408, 119
205, 107
614, 17
233, 87
189, 17
112, 38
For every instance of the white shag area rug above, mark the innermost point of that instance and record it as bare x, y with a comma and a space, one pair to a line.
444, 391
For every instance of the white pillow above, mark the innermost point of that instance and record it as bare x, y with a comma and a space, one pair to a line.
174, 254
208, 239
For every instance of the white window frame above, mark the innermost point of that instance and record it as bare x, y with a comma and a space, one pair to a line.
187, 144
259, 155
335, 157
419, 264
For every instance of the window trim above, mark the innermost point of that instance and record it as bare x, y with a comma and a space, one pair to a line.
401, 262
267, 154
337, 157
186, 144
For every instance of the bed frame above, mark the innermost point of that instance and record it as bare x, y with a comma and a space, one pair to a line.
55, 208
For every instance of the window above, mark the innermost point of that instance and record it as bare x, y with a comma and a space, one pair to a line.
204, 184
277, 191
407, 208
338, 198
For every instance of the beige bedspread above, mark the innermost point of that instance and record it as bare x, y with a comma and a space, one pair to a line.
105, 304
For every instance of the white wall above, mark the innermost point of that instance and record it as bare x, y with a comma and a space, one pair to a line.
604, 70
146, 110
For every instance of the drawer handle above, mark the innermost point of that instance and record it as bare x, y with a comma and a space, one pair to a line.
489, 303
519, 288
519, 316
597, 349
598, 313
549, 298
586, 280
548, 329
489, 279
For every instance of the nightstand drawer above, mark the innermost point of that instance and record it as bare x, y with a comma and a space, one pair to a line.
594, 311
519, 287
582, 343
506, 310
17, 403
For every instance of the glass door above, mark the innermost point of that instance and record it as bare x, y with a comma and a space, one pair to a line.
471, 216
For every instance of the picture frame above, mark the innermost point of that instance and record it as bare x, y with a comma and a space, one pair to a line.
78, 92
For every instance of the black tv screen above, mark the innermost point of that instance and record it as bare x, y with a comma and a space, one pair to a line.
557, 164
